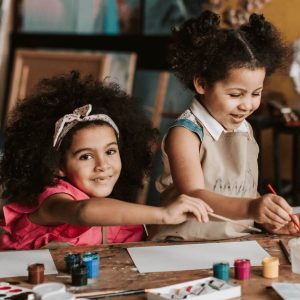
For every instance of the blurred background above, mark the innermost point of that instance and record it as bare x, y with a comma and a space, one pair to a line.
126, 41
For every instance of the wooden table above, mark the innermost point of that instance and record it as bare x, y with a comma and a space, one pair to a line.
118, 272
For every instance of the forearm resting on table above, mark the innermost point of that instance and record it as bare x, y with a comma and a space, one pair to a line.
230, 207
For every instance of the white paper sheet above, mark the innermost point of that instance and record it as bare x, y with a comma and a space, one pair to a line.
15, 263
286, 290
296, 210
194, 256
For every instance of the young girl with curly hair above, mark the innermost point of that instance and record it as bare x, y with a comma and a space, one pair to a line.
70, 149
210, 152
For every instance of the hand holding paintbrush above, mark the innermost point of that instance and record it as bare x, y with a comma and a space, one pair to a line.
293, 218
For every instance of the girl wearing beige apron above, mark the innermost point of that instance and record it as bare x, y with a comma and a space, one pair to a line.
229, 164
226, 69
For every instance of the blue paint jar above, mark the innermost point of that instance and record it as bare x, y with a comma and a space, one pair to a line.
91, 261
221, 270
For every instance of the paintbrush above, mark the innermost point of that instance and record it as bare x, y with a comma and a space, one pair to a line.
103, 294
234, 222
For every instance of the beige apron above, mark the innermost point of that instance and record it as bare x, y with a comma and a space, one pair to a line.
230, 168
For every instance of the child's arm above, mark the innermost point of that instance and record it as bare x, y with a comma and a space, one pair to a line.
61, 208
182, 147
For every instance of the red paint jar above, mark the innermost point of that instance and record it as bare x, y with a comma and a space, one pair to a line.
242, 269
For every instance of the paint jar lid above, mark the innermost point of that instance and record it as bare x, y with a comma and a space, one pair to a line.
221, 263
59, 296
72, 258
242, 263
49, 288
270, 260
88, 256
36, 268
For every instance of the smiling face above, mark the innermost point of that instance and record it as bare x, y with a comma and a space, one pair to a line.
232, 100
93, 162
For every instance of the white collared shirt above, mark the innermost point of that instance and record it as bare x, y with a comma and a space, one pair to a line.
210, 123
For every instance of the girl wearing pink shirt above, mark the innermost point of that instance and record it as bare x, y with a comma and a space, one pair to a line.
72, 149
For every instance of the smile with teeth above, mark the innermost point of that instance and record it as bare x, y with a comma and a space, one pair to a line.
102, 179
238, 116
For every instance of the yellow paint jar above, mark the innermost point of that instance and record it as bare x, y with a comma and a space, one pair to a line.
270, 267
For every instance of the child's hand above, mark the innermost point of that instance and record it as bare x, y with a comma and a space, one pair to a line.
182, 207
289, 228
271, 209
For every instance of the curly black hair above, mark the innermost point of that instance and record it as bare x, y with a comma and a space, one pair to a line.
30, 162
202, 50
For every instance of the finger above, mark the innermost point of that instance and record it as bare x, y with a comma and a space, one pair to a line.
199, 211
202, 212
282, 229
292, 228
281, 213
203, 203
201, 207
283, 204
205, 216
193, 209
295, 218
277, 230
274, 219
287, 229
208, 208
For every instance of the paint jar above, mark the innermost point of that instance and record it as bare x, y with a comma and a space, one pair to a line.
242, 269
91, 260
49, 288
36, 273
270, 267
294, 245
79, 275
221, 270
71, 260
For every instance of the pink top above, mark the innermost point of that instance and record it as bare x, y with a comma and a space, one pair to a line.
23, 234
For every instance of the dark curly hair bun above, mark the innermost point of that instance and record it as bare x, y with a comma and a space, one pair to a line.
201, 49
260, 26
192, 31
208, 22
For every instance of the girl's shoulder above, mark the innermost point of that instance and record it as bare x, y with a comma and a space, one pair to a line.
189, 121
62, 186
